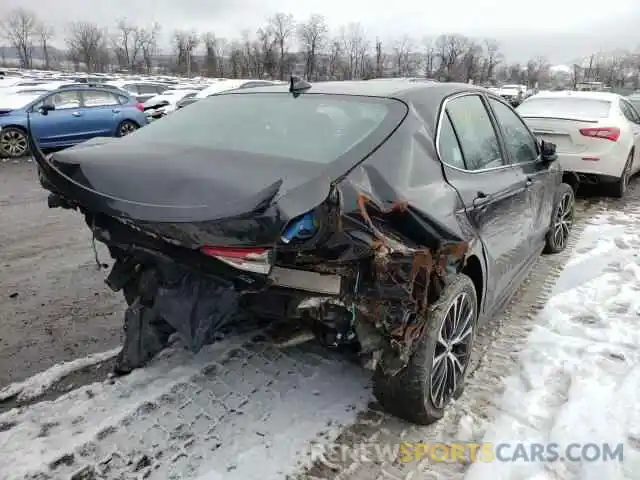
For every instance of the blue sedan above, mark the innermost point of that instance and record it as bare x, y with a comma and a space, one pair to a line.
65, 117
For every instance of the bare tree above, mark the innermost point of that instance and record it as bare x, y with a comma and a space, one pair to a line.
537, 70
283, 26
185, 44
471, 62
45, 33
149, 45
450, 48
251, 65
236, 59
20, 30
380, 59
402, 56
127, 44
493, 58
211, 59
335, 58
267, 50
430, 57
87, 44
355, 46
312, 36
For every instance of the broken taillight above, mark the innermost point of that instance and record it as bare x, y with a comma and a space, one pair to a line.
250, 259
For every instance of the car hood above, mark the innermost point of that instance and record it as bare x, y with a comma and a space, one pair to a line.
165, 182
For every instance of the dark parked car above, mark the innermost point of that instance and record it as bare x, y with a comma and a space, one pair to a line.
387, 217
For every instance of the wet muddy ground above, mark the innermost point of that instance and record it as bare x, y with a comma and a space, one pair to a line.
54, 305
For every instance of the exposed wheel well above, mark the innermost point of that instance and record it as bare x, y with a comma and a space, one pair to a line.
17, 127
473, 269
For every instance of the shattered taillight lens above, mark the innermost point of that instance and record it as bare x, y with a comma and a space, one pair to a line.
250, 259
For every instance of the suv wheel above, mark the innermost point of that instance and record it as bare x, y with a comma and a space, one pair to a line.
436, 371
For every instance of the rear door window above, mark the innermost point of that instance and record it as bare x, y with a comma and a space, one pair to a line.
99, 98
476, 134
519, 142
64, 100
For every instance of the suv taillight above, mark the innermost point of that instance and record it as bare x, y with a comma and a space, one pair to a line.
140, 106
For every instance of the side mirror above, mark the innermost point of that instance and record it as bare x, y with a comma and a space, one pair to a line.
46, 108
548, 152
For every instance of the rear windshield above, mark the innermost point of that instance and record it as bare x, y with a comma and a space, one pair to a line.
635, 101
565, 108
312, 128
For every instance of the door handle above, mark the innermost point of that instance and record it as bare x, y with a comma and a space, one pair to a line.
116, 110
77, 114
528, 183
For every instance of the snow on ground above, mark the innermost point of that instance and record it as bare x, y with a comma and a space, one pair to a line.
578, 379
35, 386
240, 409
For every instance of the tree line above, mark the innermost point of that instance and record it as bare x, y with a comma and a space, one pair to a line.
285, 46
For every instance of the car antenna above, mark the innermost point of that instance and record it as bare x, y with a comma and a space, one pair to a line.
297, 86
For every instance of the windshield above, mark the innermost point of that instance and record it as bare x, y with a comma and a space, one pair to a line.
565, 107
312, 128
11, 102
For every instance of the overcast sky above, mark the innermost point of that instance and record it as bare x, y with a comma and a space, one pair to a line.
558, 29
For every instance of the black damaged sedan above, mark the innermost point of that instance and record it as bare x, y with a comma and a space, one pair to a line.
391, 218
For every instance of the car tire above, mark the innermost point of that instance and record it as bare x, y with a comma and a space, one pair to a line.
619, 188
412, 394
561, 220
126, 127
13, 142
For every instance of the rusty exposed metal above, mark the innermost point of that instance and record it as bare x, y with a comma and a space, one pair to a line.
404, 316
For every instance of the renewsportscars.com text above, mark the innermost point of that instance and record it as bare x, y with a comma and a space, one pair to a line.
331, 454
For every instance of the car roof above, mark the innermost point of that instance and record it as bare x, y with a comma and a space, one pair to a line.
402, 89
606, 96
125, 81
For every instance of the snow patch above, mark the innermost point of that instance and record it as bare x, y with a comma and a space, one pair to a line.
148, 411
578, 379
36, 385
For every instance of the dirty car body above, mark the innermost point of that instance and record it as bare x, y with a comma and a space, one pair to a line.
339, 207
